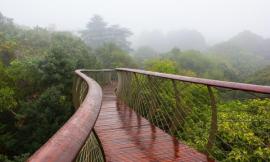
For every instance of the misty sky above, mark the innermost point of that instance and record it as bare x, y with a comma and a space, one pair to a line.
215, 19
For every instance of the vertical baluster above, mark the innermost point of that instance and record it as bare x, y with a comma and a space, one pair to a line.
134, 91
123, 94
119, 83
214, 127
110, 77
128, 88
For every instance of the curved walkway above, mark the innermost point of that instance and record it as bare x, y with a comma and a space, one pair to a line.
127, 137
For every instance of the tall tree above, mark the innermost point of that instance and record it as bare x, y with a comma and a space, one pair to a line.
95, 34
98, 33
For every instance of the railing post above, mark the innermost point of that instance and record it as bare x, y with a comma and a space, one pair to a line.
110, 77
127, 84
119, 84
136, 89
214, 127
153, 105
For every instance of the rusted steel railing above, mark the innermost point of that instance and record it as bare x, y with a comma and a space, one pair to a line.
76, 141
226, 120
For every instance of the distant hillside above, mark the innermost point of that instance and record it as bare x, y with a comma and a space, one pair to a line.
245, 42
182, 39
246, 52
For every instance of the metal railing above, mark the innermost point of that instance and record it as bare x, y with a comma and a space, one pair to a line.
227, 121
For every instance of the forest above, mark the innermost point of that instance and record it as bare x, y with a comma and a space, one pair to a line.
37, 67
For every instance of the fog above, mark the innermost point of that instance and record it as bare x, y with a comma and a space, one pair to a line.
216, 20
204, 48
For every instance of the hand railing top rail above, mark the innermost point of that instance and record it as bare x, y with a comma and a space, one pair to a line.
208, 82
97, 70
65, 144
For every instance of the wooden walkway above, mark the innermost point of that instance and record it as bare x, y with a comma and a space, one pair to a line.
127, 137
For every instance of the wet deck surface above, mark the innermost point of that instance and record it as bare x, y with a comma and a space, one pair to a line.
127, 137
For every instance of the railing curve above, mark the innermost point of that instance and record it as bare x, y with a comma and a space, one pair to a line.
65, 145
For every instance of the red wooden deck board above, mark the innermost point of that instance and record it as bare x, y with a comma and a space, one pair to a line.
128, 137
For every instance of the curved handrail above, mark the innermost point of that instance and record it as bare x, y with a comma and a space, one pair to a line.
209, 82
66, 143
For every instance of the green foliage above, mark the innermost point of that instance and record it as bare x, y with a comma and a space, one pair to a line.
238, 135
57, 68
7, 48
261, 77
36, 68
7, 99
245, 131
192, 63
244, 54
41, 118
23, 74
111, 56
20, 158
164, 66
